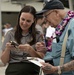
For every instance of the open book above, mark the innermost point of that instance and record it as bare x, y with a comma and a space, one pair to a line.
36, 60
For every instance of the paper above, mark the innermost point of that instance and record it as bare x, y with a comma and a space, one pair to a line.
36, 61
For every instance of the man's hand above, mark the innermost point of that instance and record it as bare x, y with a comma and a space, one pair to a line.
40, 46
48, 68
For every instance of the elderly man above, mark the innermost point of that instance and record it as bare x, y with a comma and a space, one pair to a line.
55, 13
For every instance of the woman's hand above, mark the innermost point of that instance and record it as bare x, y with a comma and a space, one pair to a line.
5, 57
25, 47
48, 68
9, 46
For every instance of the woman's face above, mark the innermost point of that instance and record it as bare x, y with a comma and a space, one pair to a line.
26, 20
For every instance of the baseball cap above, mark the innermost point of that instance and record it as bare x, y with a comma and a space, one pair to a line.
50, 5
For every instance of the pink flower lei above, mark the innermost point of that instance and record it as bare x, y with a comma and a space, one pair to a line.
60, 28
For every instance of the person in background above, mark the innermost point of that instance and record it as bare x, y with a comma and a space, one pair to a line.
44, 27
19, 44
7, 27
55, 13
39, 22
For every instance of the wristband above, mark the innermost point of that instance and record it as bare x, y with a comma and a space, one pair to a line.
59, 70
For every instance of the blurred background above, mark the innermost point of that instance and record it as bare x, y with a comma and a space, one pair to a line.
10, 8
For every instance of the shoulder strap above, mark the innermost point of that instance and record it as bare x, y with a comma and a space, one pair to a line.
63, 48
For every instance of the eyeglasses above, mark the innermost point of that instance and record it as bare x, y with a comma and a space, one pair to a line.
45, 16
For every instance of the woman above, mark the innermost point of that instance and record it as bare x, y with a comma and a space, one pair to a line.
25, 35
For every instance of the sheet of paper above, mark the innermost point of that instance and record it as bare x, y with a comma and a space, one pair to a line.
36, 61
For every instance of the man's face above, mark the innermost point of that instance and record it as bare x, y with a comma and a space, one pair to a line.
51, 17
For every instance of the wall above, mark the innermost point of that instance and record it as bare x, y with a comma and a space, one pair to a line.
10, 17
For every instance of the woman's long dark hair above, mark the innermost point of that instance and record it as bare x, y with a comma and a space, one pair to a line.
32, 30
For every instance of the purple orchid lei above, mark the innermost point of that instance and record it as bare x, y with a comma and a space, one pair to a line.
60, 28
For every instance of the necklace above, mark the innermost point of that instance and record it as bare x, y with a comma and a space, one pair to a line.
65, 21
60, 28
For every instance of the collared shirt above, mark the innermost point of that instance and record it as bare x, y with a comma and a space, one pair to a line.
19, 55
57, 47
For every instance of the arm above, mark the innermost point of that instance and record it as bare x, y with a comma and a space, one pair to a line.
31, 51
34, 53
6, 54
48, 68
68, 66
6, 49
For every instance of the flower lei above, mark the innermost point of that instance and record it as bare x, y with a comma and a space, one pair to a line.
60, 28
